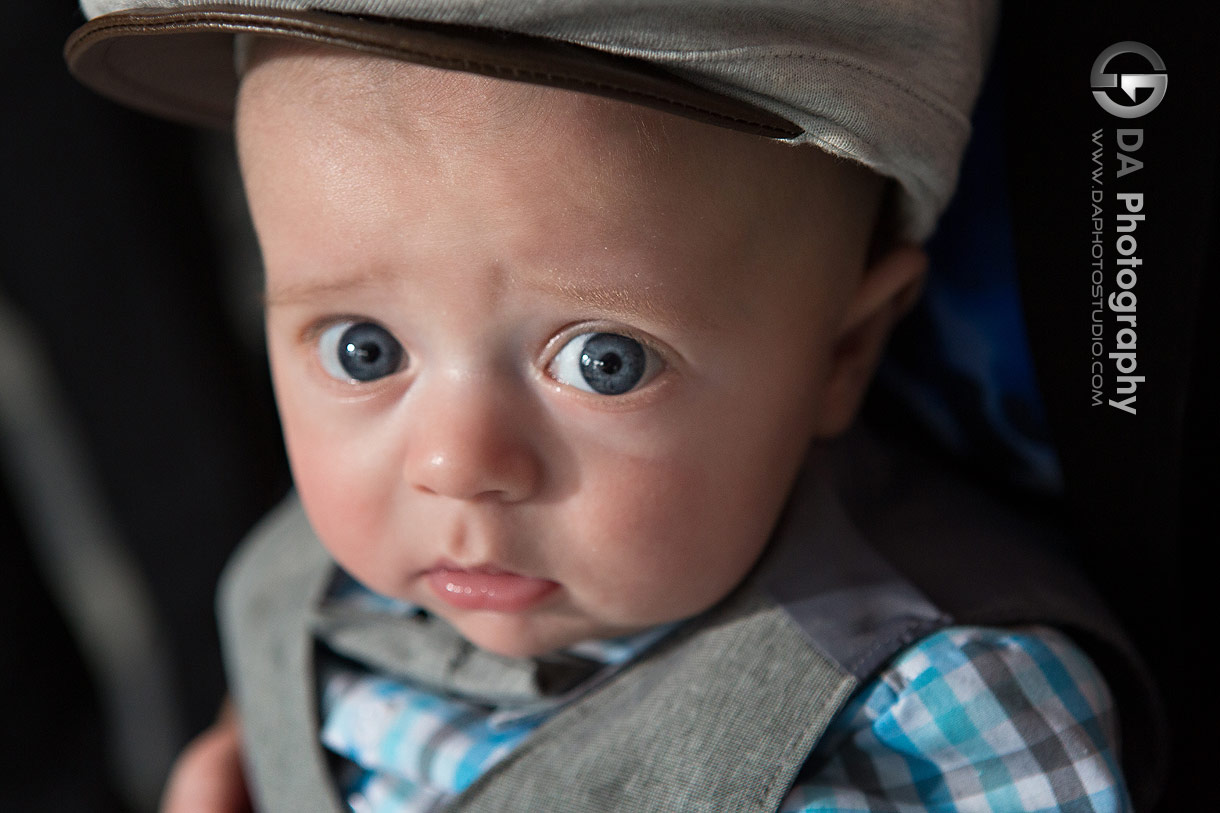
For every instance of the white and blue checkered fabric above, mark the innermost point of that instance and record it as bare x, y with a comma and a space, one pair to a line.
413, 749
973, 719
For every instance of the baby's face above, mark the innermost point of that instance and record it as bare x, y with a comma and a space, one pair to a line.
547, 365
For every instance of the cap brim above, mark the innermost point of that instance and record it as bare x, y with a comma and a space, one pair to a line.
179, 64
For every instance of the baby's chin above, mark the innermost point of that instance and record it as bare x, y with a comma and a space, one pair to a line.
519, 636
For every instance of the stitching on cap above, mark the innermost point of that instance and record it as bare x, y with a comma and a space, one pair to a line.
936, 104
939, 105
223, 23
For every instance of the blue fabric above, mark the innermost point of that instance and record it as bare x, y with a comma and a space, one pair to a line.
413, 748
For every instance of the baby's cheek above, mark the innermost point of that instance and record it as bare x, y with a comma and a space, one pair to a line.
343, 496
665, 548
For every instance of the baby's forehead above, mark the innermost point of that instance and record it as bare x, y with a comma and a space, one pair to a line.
689, 202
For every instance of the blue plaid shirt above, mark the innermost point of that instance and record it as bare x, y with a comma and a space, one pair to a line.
968, 719
973, 719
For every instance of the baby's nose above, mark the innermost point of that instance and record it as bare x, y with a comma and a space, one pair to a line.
470, 440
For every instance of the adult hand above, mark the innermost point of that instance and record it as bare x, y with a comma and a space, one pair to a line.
208, 776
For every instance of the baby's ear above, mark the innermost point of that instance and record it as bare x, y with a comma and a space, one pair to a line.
887, 290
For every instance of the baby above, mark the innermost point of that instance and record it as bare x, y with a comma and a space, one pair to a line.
558, 375
577, 346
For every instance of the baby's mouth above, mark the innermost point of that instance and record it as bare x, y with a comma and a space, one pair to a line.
486, 587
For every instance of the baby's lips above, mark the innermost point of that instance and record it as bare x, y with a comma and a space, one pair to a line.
488, 588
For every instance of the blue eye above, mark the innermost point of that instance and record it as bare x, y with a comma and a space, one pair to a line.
603, 363
359, 351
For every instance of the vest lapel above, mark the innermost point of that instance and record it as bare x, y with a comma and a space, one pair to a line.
268, 593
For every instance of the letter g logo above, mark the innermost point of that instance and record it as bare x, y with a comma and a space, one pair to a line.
1157, 82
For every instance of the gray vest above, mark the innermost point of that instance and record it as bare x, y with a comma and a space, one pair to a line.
720, 716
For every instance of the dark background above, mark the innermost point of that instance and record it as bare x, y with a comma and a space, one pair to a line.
122, 254
1140, 487
115, 251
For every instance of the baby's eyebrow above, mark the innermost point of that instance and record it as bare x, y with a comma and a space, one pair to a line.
321, 290
648, 302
